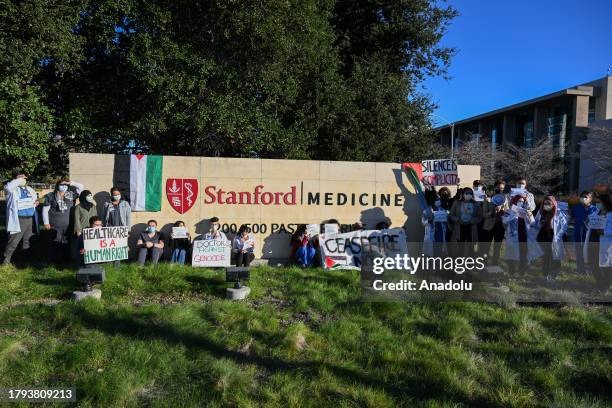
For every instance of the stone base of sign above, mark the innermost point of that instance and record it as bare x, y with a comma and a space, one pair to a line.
238, 294
80, 295
259, 262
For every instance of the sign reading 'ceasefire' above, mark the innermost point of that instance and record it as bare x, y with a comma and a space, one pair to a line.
105, 244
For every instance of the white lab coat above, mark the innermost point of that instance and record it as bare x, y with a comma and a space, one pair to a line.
512, 253
560, 224
11, 190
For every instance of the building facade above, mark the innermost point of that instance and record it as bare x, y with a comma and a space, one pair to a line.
564, 117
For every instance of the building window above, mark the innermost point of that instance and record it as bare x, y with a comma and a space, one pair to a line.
591, 109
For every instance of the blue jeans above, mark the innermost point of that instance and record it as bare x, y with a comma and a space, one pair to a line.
305, 255
178, 256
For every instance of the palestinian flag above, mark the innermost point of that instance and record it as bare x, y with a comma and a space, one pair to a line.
141, 176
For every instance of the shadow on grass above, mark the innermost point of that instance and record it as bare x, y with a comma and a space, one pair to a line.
210, 285
113, 324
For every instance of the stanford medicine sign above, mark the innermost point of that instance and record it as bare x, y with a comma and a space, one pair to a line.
272, 196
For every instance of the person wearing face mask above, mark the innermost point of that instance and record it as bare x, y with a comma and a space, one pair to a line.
117, 212
21, 216
215, 230
150, 244
93, 222
82, 214
530, 203
500, 201
56, 213
445, 198
549, 228
434, 240
591, 249
465, 216
580, 214
518, 253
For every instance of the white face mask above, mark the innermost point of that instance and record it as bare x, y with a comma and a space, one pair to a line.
584, 200
151, 228
90, 199
437, 203
521, 185
547, 207
62, 188
117, 197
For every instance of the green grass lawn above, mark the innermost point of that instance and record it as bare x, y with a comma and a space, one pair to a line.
165, 336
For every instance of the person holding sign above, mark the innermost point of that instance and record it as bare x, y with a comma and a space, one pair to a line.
597, 244
117, 212
521, 188
150, 244
215, 230
83, 211
94, 222
465, 215
243, 247
21, 216
517, 220
435, 221
301, 247
580, 214
180, 243
549, 228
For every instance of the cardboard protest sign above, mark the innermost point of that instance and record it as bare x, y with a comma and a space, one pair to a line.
105, 244
211, 253
313, 229
597, 221
479, 194
442, 172
518, 191
179, 232
440, 216
353, 249
331, 229
563, 206
605, 251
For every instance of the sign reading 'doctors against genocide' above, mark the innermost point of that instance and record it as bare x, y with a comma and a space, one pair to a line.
105, 244
443, 172
211, 253
352, 249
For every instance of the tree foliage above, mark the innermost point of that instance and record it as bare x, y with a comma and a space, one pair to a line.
308, 79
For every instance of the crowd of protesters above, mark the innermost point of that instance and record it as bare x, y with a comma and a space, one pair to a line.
466, 224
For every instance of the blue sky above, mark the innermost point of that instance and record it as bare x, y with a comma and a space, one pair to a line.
513, 50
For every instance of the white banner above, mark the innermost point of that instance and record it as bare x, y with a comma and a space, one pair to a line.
441, 172
211, 253
351, 249
605, 251
105, 244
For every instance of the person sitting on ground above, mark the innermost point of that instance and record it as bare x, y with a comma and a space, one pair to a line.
243, 247
150, 244
180, 246
215, 230
94, 222
301, 247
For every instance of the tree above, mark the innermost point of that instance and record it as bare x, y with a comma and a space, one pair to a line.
539, 165
304, 79
25, 124
480, 152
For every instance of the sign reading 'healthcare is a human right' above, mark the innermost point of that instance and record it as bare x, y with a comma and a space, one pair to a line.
105, 244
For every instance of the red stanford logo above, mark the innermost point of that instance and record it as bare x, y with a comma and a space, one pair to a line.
182, 193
